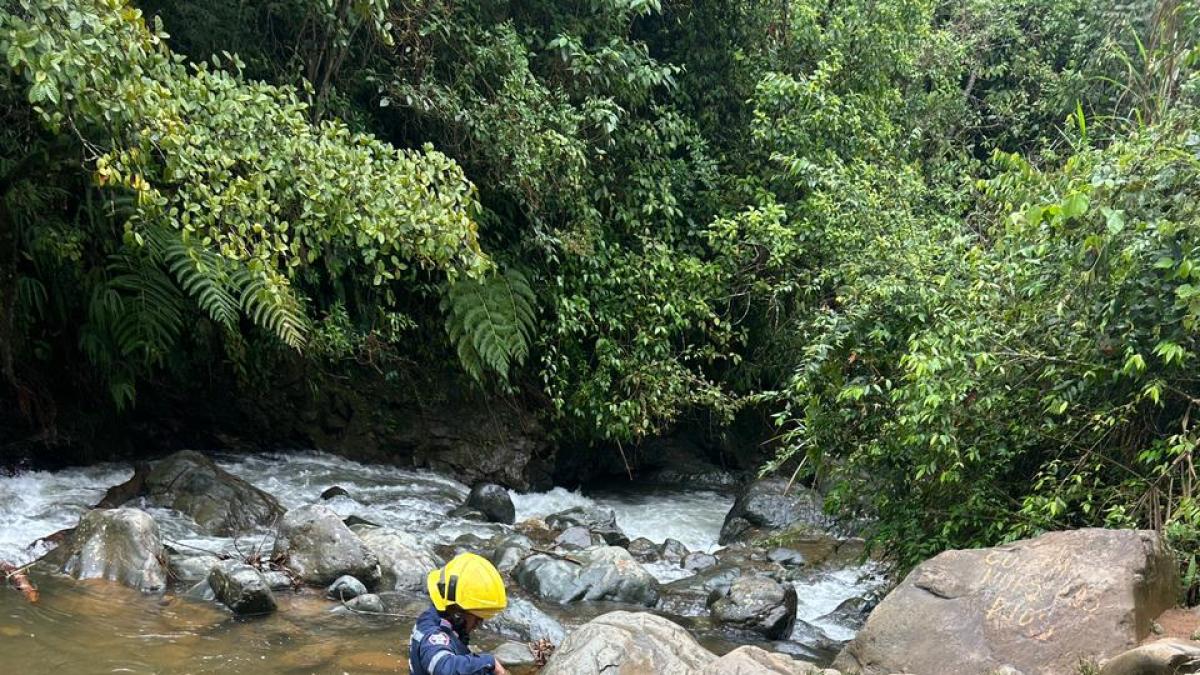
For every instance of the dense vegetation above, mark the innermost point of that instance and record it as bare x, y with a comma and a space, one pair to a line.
951, 249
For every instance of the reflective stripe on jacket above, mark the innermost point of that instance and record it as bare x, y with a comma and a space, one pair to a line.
435, 649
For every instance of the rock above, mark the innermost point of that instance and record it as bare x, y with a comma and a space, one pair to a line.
345, 588
1170, 656
368, 603
352, 520
514, 654
788, 557
522, 620
494, 501
607, 573
672, 551
278, 581
643, 550
335, 491
1037, 605
509, 550
770, 505
201, 591
757, 604
628, 643
219, 502
697, 560
750, 660
116, 544
192, 568
470, 513
319, 548
601, 521
241, 588
690, 596
577, 538
403, 560
851, 612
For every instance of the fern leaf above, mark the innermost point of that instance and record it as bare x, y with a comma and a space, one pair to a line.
491, 322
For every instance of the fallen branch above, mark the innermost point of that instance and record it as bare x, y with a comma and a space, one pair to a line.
556, 554
17, 577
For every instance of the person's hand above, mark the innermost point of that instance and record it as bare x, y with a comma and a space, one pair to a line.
499, 669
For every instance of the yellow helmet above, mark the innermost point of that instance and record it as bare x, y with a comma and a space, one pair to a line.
471, 582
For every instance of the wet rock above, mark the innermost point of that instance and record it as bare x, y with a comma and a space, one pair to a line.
120, 545
690, 596
1170, 656
757, 604
494, 501
599, 520
643, 550
319, 548
577, 538
697, 560
514, 654
219, 502
470, 513
537, 531
335, 491
201, 591
770, 505
278, 581
522, 620
672, 551
403, 560
241, 588
1037, 605
750, 660
509, 550
368, 603
851, 612
345, 588
607, 573
192, 568
788, 557
810, 643
629, 642
352, 520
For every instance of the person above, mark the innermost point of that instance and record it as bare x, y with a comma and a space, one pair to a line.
465, 593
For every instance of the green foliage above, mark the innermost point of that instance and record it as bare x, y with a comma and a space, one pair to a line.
491, 322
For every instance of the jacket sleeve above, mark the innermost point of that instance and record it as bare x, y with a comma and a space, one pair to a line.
441, 660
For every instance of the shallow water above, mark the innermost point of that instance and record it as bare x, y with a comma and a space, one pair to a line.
105, 628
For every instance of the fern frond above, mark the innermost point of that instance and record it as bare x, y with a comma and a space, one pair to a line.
146, 316
273, 306
491, 322
202, 274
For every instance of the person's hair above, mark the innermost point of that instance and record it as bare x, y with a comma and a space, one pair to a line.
457, 616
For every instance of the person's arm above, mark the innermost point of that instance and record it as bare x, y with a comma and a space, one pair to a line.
441, 660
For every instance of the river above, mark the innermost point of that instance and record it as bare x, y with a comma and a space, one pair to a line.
99, 627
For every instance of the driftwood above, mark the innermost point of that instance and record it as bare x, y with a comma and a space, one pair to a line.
17, 578
131, 489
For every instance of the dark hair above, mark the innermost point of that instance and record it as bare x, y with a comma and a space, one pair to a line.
457, 616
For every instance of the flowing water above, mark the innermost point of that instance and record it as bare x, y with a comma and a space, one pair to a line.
98, 627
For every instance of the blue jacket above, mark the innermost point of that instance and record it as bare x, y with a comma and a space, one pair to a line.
435, 649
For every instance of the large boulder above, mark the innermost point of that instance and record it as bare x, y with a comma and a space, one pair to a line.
319, 548
241, 588
522, 620
629, 643
690, 596
509, 550
116, 544
606, 573
1170, 656
1037, 605
771, 505
757, 604
750, 660
404, 561
494, 501
599, 520
219, 502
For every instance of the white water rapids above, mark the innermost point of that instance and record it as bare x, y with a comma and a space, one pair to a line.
36, 504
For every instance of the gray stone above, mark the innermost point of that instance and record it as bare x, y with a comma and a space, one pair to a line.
672, 551
192, 568
278, 581
770, 505
599, 520
116, 544
368, 603
335, 491
750, 660
494, 502
514, 654
787, 557
1170, 656
345, 587
757, 604
643, 550
241, 588
690, 596
629, 643
576, 538
470, 513
319, 548
607, 573
509, 550
1038, 605
403, 560
698, 560
219, 502
522, 620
